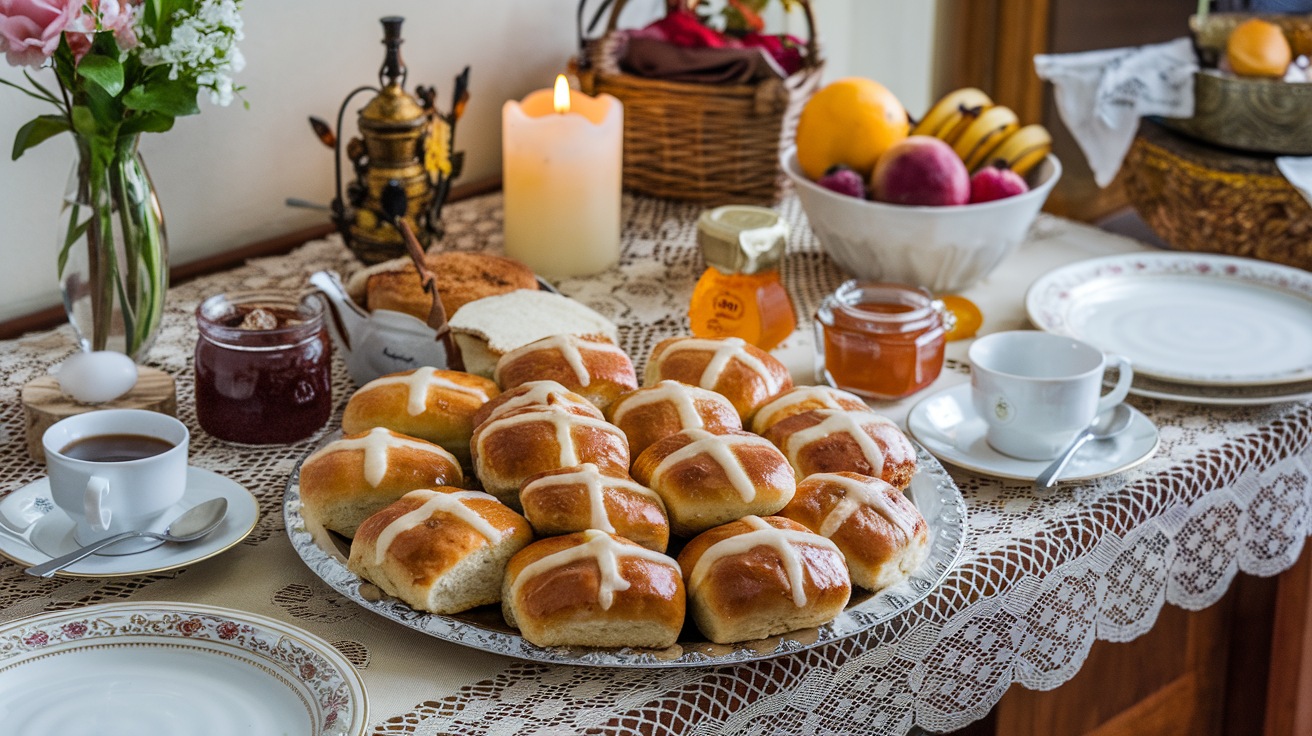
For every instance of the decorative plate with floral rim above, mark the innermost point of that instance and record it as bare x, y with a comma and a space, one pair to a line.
126, 669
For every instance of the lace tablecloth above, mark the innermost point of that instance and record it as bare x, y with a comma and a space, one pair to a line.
1041, 577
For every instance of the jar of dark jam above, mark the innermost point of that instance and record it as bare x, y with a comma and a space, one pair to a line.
263, 367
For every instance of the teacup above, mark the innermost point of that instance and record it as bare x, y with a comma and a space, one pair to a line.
1036, 391
116, 470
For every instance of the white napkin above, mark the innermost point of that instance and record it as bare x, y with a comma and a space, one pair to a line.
1298, 170
1102, 94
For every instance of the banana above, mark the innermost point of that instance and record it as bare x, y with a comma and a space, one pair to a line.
1022, 150
944, 116
984, 134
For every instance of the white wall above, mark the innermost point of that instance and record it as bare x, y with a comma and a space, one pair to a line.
223, 175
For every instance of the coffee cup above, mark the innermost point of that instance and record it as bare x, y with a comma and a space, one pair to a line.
1036, 391
116, 470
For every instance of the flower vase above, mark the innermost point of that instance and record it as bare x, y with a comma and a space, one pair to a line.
113, 257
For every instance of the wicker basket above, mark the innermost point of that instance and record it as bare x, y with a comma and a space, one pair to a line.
701, 142
1200, 198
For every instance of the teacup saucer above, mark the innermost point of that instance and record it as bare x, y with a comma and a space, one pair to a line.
47, 532
948, 426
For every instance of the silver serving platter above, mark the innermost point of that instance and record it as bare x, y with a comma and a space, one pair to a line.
931, 489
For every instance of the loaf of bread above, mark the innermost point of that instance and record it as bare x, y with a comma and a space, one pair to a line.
427, 403
351, 479
803, 399
656, 412
879, 531
488, 328
708, 479
594, 369
443, 552
460, 277
536, 394
594, 589
581, 497
517, 445
837, 441
756, 577
744, 374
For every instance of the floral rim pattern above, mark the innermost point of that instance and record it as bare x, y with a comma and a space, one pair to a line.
337, 699
932, 489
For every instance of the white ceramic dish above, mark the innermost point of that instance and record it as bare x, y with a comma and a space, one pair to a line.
126, 669
940, 248
1221, 395
33, 530
932, 490
1192, 318
947, 425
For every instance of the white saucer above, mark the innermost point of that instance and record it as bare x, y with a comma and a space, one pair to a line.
947, 425
49, 531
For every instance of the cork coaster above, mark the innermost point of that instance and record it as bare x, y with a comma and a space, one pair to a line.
44, 404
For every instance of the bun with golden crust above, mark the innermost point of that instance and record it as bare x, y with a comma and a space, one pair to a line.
880, 532
595, 369
656, 412
427, 403
803, 399
519, 444
594, 589
461, 278
744, 374
836, 441
536, 394
443, 552
352, 478
708, 479
758, 577
581, 497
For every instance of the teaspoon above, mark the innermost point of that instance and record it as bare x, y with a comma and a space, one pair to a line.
1105, 426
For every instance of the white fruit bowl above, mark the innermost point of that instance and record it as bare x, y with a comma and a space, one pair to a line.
944, 249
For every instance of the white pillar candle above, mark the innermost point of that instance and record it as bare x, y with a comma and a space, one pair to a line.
561, 176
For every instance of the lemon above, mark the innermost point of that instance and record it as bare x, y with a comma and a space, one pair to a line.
851, 121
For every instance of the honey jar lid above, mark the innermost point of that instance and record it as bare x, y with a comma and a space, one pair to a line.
741, 238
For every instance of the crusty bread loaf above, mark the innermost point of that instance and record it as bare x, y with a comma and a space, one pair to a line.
351, 479
488, 328
708, 479
879, 531
803, 399
461, 278
427, 403
593, 589
443, 552
744, 374
837, 441
594, 369
656, 412
517, 445
755, 577
535, 394
582, 497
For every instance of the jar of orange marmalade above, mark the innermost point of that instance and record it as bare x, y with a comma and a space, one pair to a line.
881, 341
740, 294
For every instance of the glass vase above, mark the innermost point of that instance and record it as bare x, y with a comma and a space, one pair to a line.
113, 257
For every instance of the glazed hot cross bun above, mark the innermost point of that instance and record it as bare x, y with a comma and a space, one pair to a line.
427, 403
656, 412
744, 374
582, 497
803, 399
535, 394
595, 369
836, 441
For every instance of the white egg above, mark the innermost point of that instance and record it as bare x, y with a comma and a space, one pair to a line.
97, 377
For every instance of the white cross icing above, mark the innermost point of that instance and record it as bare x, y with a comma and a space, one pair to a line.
606, 551
451, 503
375, 445
418, 381
782, 541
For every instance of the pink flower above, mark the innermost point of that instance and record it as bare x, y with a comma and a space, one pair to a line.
30, 29
118, 16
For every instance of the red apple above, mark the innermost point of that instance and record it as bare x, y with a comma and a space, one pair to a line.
995, 182
920, 170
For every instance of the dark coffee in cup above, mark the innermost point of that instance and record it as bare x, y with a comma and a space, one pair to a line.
116, 448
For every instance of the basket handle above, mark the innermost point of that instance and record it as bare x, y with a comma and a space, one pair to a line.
615, 6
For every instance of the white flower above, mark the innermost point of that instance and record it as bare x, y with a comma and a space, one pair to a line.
202, 45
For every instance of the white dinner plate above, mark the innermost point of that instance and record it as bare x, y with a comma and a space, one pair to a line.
127, 669
1185, 317
948, 426
33, 530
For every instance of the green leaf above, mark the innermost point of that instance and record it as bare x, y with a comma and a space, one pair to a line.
175, 97
38, 130
104, 71
146, 122
28, 92
83, 121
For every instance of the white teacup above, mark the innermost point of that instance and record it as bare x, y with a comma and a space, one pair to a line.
116, 470
1036, 390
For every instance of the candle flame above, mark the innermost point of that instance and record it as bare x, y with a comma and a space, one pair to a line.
561, 97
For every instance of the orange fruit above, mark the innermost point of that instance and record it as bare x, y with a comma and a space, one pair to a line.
967, 316
851, 121
1257, 48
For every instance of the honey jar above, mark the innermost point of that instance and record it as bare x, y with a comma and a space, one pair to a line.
741, 294
880, 341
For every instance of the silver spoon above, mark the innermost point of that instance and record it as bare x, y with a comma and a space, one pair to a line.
193, 524
1105, 426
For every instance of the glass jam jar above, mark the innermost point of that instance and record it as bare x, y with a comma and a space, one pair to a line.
263, 367
880, 341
